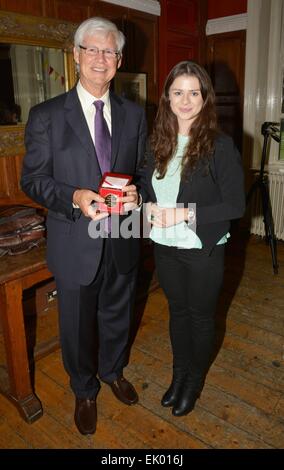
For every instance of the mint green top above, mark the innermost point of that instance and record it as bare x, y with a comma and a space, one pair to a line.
166, 191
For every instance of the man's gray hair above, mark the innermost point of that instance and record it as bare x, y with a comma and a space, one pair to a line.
95, 25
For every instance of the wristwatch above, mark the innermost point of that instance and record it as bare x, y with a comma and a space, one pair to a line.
190, 216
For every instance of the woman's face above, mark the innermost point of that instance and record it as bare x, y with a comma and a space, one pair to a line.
185, 101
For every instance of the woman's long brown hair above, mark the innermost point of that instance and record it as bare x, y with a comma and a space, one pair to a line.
203, 130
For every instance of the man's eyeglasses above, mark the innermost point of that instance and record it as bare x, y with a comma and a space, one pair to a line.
94, 51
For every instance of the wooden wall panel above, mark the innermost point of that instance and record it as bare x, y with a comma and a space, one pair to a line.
220, 8
226, 66
181, 34
182, 17
142, 31
29, 7
178, 54
10, 174
71, 10
18, 169
115, 13
10, 171
4, 180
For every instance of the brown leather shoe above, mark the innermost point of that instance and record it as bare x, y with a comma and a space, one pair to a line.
85, 416
124, 391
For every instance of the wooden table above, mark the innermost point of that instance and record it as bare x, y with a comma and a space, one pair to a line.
18, 273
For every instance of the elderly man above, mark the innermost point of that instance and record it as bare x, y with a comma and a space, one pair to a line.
71, 140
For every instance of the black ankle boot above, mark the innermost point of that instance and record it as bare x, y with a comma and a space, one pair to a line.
185, 403
170, 397
187, 397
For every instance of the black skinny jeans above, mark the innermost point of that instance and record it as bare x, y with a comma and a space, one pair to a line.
191, 281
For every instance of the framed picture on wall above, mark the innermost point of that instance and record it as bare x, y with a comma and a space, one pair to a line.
132, 86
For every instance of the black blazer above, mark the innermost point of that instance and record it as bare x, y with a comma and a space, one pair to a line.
218, 193
60, 157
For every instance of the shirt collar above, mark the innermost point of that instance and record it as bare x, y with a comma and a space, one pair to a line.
87, 99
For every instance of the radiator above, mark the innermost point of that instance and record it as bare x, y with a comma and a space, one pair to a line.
276, 191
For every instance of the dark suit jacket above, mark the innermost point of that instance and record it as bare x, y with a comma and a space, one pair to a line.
218, 193
61, 158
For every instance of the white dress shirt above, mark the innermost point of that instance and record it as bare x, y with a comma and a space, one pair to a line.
89, 110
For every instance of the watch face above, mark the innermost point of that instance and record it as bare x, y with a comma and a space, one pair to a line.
111, 200
191, 216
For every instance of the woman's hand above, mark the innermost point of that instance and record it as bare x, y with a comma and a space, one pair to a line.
166, 217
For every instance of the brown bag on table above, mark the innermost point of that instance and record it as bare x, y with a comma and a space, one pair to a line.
21, 228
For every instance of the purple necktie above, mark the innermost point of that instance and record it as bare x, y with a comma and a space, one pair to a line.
102, 138
103, 148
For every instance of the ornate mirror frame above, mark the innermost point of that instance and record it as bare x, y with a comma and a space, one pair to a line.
34, 31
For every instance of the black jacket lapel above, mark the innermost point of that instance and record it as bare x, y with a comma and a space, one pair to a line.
118, 115
76, 119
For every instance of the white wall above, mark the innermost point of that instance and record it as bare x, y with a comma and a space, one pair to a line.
263, 77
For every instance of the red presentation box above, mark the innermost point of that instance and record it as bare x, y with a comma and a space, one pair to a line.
110, 189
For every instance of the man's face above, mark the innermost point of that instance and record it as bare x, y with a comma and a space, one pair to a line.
97, 71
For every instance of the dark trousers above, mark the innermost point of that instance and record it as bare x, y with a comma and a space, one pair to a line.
95, 323
191, 281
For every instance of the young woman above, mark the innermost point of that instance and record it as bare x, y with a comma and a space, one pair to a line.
195, 185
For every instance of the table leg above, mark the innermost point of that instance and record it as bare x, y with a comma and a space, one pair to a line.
20, 388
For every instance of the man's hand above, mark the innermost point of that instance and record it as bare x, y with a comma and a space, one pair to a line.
86, 200
130, 200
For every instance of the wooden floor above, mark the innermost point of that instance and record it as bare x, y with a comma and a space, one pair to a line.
242, 404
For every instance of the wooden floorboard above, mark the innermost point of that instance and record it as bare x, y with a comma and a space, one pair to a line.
242, 403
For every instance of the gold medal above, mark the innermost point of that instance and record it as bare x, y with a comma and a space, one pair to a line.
111, 200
